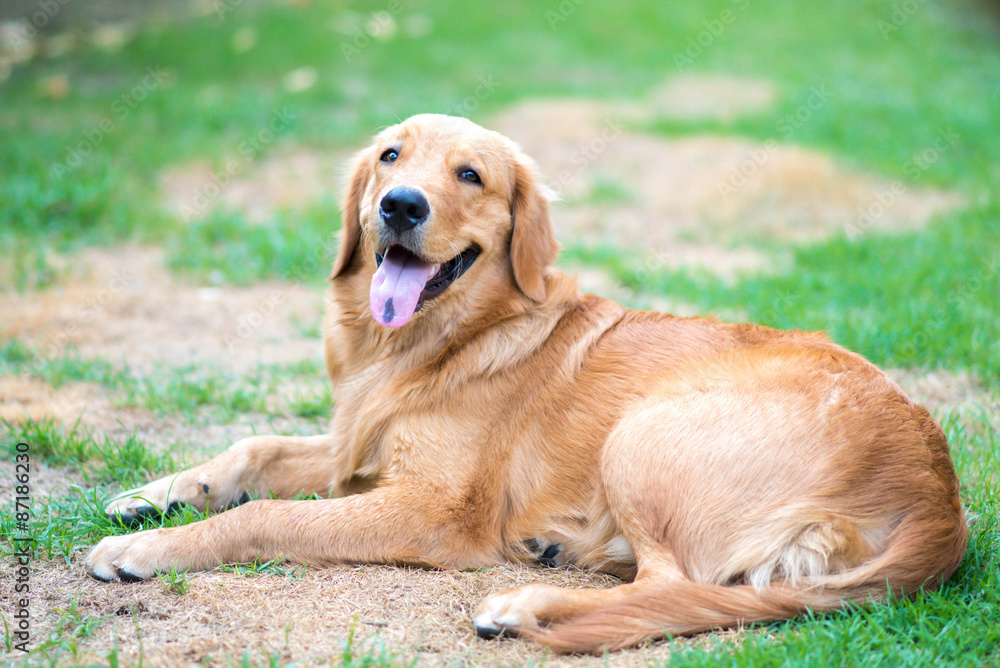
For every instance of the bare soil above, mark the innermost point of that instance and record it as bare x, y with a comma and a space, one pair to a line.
715, 203
122, 305
287, 180
699, 97
408, 611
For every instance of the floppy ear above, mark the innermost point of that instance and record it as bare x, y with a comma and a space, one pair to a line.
350, 232
532, 246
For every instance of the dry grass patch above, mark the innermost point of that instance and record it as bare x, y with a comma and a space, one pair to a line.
411, 612
284, 180
704, 201
942, 391
84, 403
958, 396
45, 481
122, 305
697, 97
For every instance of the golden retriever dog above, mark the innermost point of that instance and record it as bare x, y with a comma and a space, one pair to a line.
487, 412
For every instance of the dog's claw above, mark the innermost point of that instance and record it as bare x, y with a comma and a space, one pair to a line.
127, 520
489, 631
504, 614
130, 558
133, 517
126, 576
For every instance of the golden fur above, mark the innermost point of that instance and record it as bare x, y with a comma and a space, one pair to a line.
731, 473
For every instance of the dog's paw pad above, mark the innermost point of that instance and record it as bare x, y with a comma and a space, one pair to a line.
490, 626
490, 631
127, 576
134, 517
129, 558
546, 553
505, 613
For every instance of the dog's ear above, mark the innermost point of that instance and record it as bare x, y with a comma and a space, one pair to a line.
350, 233
532, 246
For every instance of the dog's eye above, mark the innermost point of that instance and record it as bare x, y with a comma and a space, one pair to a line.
389, 155
470, 175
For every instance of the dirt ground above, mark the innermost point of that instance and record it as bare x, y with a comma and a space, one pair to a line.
715, 203
409, 612
676, 200
122, 305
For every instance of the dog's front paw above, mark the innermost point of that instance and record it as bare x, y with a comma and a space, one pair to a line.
130, 558
153, 499
195, 488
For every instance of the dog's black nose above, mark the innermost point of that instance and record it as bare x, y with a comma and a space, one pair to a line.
403, 209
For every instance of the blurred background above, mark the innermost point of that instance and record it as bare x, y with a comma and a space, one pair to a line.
824, 167
846, 153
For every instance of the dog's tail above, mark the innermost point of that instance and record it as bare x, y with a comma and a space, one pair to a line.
919, 554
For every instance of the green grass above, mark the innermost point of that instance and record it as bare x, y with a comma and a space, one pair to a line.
203, 393
291, 571
57, 370
221, 247
888, 96
72, 628
175, 581
100, 459
305, 405
189, 389
925, 299
71, 520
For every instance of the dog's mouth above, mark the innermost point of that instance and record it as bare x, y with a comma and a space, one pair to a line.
403, 282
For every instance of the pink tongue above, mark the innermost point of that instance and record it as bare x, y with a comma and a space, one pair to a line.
397, 285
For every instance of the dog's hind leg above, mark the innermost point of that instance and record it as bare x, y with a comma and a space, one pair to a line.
280, 466
532, 607
764, 502
700, 504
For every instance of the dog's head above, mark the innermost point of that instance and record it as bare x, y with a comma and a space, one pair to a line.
436, 202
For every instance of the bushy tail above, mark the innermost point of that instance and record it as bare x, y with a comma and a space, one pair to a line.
920, 555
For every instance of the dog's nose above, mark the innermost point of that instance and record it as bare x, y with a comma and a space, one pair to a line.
403, 209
